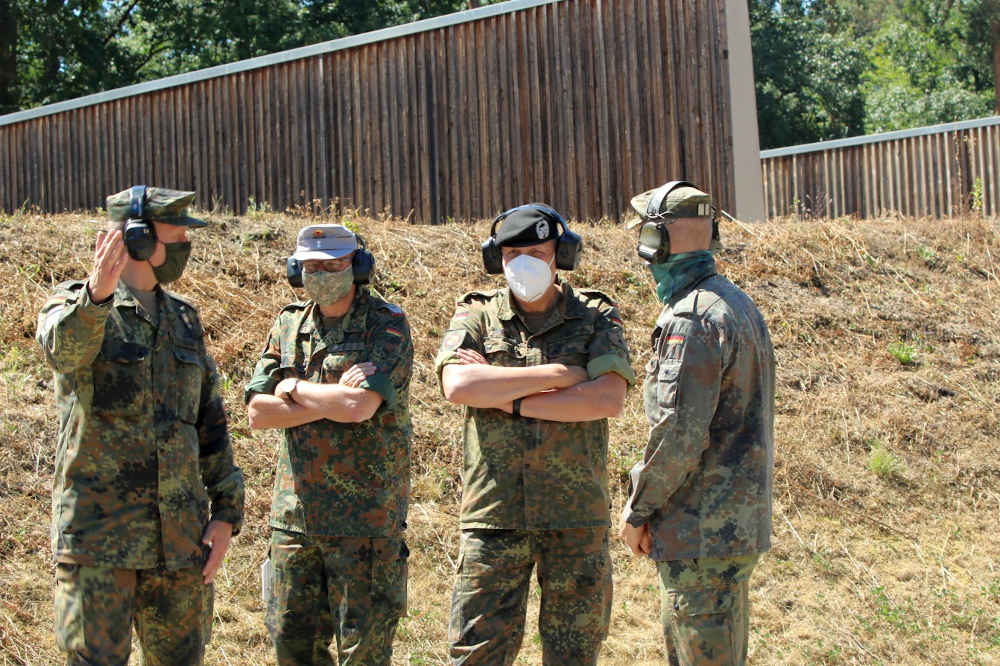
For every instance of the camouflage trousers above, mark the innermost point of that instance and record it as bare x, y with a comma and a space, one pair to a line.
490, 598
97, 606
351, 589
705, 610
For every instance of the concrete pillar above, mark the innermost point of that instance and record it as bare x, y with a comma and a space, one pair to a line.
749, 185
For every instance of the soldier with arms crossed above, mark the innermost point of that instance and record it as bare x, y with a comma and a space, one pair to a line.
539, 367
146, 496
700, 505
335, 374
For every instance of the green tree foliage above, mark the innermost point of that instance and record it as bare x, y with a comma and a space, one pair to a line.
51, 50
826, 69
808, 70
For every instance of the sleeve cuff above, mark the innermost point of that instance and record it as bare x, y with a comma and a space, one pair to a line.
231, 516
602, 365
263, 385
381, 384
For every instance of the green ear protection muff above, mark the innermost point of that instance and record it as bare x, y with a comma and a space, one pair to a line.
139, 234
362, 265
654, 239
568, 245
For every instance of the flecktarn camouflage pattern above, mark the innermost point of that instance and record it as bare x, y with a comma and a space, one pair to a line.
341, 489
144, 458
342, 479
95, 608
533, 488
143, 461
705, 610
704, 484
491, 595
363, 581
529, 473
161, 204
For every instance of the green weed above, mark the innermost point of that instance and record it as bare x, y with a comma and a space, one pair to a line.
881, 461
903, 352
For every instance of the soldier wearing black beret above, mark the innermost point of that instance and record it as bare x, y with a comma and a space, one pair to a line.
540, 367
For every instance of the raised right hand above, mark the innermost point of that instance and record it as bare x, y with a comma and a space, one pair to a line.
109, 260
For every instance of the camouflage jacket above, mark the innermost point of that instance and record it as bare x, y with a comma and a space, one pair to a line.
523, 473
342, 479
704, 485
143, 451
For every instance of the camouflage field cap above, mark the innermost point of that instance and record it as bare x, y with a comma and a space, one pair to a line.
160, 204
324, 241
680, 202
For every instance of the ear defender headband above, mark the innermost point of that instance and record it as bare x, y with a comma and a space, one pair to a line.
568, 244
139, 234
362, 265
654, 239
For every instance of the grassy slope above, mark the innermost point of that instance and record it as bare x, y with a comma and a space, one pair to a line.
887, 484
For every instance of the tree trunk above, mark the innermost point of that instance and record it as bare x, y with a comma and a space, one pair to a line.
474, 3
8, 56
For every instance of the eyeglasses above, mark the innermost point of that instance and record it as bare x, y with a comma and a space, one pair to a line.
328, 265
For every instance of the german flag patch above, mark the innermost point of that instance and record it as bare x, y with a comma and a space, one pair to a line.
674, 340
392, 331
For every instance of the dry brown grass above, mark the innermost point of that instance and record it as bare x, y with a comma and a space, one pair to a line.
887, 477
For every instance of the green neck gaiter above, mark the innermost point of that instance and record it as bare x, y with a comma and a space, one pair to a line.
678, 270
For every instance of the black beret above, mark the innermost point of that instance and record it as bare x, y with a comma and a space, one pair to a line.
527, 225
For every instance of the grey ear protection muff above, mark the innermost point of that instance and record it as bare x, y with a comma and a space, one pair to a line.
362, 265
654, 239
139, 234
568, 245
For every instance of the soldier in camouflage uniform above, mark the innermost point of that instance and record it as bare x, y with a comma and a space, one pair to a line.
146, 495
539, 367
335, 374
700, 505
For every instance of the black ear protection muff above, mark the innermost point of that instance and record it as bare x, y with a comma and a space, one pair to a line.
362, 265
139, 234
654, 239
568, 245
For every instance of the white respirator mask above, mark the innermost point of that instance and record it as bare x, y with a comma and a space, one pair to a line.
528, 277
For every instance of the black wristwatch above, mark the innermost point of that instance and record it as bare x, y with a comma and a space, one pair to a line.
516, 408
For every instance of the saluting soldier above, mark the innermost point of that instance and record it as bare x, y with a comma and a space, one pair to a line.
335, 375
700, 505
540, 367
146, 495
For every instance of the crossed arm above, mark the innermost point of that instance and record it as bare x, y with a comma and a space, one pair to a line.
551, 392
296, 402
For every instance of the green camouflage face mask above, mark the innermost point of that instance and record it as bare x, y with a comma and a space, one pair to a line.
177, 258
327, 288
674, 272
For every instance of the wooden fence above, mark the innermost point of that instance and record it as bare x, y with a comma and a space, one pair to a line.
580, 103
932, 171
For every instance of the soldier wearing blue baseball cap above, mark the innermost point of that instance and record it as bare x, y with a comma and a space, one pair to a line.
334, 376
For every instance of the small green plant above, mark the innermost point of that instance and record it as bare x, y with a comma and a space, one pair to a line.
881, 461
927, 253
903, 352
977, 196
